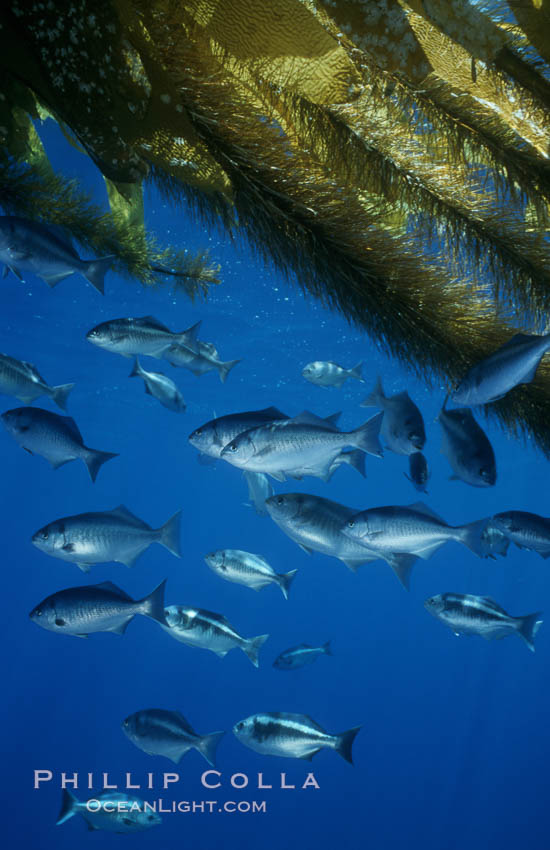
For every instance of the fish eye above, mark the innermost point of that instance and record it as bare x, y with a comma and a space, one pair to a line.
198, 432
125, 723
233, 447
351, 523
45, 535
280, 500
150, 817
166, 612
38, 612
60, 622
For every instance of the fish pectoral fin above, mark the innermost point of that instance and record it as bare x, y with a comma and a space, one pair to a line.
422, 508
68, 547
306, 549
278, 476
14, 270
81, 636
53, 279
27, 450
84, 567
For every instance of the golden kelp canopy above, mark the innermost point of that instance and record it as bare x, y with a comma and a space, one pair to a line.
391, 156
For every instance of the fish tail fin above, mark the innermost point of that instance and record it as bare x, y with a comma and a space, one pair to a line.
94, 460
170, 534
327, 648
366, 437
344, 743
355, 372
189, 337
208, 744
252, 648
528, 627
285, 580
60, 395
69, 807
96, 271
472, 537
225, 368
136, 370
153, 605
376, 397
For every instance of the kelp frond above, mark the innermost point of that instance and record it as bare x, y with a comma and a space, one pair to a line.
37, 193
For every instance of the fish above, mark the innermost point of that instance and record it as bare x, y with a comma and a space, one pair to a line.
160, 387
81, 611
57, 438
467, 448
201, 361
145, 335
213, 436
23, 380
278, 733
414, 529
116, 812
514, 363
526, 530
102, 536
418, 471
245, 568
403, 426
299, 445
167, 733
299, 656
47, 252
326, 373
207, 630
259, 489
480, 615
316, 524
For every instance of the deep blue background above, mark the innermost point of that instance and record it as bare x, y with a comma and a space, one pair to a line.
454, 746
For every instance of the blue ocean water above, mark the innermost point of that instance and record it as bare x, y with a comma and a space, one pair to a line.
454, 746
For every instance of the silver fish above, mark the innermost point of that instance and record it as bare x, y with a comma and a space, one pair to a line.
316, 525
493, 540
418, 471
160, 387
24, 381
46, 251
98, 537
116, 812
413, 529
278, 733
167, 733
512, 364
403, 426
55, 437
259, 489
214, 435
326, 373
201, 361
81, 611
245, 568
299, 656
526, 530
467, 448
146, 335
299, 446
479, 615
207, 630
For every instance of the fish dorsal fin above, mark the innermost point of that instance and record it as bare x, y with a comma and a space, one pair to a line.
113, 588
122, 512
306, 417
274, 412
490, 603
519, 339
71, 425
151, 322
333, 419
303, 646
314, 725
30, 367
185, 723
306, 549
424, 509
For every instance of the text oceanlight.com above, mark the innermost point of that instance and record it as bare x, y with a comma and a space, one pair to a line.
161, 806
